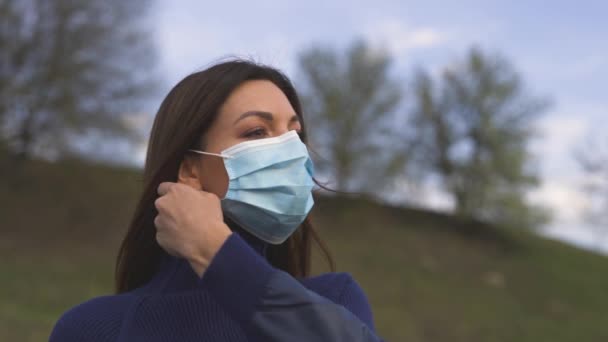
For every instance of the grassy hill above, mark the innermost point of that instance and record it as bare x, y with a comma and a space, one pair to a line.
429, 277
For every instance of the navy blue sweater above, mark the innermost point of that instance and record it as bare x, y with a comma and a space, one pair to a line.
240, 297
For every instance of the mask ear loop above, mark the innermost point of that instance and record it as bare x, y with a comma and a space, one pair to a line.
212, 154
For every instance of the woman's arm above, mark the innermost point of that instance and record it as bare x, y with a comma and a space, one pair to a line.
270, 305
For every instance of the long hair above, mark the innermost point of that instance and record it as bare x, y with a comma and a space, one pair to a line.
183, 118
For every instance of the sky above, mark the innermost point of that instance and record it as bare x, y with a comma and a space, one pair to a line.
560, 48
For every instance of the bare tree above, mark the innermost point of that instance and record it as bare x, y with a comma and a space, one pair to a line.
70, 69
350, 101
471, 128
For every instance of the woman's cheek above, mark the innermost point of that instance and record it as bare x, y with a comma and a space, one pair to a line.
214, 176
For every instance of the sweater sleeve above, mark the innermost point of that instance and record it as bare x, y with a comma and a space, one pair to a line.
270, 305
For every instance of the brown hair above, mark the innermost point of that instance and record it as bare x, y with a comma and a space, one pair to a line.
183, 118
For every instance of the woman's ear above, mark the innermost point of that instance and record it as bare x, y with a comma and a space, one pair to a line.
190, 173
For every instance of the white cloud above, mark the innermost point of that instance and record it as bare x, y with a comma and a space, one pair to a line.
436, 198
425, 37
564, 198
582, 235
560, 189
560, 133
398, 38
429, 195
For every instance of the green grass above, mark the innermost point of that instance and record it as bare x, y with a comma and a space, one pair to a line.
429, 277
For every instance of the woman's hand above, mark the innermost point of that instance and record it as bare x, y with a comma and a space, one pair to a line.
190, 224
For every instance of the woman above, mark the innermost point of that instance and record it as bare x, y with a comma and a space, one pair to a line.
219, 246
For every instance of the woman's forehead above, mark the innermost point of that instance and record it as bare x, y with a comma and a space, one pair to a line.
256, 95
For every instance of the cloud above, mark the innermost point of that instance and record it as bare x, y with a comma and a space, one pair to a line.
559, 135
562, 177
429, 195
424, 37
564, 198
582, 235
399, 39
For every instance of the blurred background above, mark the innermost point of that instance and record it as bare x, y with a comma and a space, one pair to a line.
472, 132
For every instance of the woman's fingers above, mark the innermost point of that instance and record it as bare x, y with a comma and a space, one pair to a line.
163, 240
163, 236
159, 222
189, 223
158, 203
164, 187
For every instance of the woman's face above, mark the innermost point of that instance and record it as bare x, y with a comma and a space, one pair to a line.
255, 110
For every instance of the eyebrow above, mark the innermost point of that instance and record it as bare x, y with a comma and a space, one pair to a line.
263, 115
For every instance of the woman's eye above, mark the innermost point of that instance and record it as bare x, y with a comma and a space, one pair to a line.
256, 133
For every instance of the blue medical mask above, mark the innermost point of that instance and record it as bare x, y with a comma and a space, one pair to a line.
270, 182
